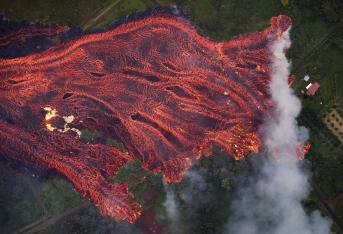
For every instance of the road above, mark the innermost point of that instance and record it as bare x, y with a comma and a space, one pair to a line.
327, 206
46, 222
92, 22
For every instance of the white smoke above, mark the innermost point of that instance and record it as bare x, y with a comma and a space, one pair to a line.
272, 202
185, 202
197, 193
172, 209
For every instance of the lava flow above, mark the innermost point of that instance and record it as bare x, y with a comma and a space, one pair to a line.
153, 84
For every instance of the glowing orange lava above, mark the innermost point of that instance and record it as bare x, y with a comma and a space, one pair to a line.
154, 84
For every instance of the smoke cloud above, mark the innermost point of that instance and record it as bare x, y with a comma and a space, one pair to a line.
184, 201
272, 201
172, 209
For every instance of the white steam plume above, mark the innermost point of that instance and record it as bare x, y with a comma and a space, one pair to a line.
271, 203
185, 202
172, 209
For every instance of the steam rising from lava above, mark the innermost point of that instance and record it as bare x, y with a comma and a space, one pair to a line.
153, 84
271, 203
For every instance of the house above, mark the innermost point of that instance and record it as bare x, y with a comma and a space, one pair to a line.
312, 88
306, 78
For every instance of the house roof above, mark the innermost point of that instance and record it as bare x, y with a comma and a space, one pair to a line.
312, 89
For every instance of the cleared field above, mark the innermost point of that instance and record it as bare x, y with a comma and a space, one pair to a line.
334, 122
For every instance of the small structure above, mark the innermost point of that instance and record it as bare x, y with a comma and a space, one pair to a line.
312, 88
306, 78
308, 86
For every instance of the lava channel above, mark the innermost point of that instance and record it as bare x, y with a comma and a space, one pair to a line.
166, 93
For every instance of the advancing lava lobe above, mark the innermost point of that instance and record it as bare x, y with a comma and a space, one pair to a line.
153, 84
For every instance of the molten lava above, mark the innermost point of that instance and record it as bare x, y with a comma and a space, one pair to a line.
154, 84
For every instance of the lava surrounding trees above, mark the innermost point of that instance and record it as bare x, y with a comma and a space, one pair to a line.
154, 84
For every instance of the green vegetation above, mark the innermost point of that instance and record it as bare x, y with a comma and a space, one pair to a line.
25, 200
317, 50
64, 12
142, 182
88, 135
113, 142
58, 195
18, 202
213, 184
122, 9
221, 20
